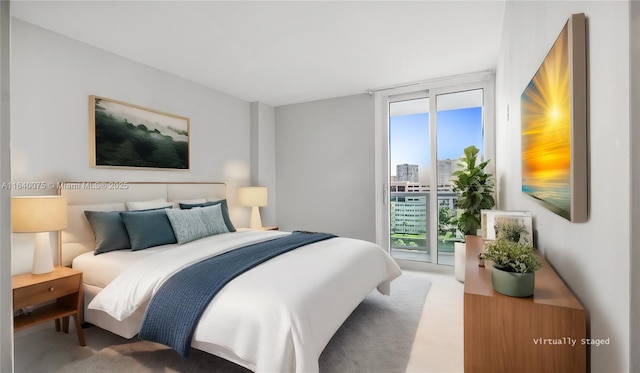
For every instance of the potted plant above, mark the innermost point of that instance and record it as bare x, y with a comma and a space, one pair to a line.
475, 190
514, 263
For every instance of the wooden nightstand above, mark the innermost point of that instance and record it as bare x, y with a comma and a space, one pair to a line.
61, 290
269, 228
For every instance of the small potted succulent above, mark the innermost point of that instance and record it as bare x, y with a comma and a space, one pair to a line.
514, 262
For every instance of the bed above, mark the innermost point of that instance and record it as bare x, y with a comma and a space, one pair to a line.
276, 317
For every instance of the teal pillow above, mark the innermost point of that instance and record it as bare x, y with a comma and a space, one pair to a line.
223, 206
148, 228
188, 225
213, 219
109, 231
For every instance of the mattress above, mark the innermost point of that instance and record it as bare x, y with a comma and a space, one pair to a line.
100, 270
277, 317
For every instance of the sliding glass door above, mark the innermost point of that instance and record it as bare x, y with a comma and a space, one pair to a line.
459, 124
409, 181
425, 134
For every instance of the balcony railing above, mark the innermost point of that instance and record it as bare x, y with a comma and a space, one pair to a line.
410, 225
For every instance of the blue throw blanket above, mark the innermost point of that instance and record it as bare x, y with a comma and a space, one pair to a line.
175, 309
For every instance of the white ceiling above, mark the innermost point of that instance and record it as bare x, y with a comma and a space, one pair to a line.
283, 52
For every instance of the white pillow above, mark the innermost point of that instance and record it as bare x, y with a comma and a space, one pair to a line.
146, 205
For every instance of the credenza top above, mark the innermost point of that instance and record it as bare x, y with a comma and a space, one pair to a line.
549, 287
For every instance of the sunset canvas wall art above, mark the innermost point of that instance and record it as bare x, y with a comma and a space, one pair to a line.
553, 114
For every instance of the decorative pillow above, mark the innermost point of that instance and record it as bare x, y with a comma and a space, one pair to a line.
148, 228
223, 208
188, 225
213, 219
108, 230
148, 205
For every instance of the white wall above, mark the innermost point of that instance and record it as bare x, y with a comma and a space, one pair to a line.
325, 166
593, 257
51, 79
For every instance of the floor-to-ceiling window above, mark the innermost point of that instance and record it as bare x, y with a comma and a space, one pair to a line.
459, 124
409, 181
422, 135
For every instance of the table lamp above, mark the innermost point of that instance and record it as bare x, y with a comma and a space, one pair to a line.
253, 197
41, 215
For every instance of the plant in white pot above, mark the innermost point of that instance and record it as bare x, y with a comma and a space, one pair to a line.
514, 264
475, 192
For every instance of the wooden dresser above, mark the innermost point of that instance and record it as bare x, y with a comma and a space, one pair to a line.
543, 333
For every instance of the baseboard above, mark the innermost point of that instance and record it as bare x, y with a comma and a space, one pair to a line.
425, 267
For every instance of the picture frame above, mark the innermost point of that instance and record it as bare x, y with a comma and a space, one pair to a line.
554, 126
488, 219
123, 135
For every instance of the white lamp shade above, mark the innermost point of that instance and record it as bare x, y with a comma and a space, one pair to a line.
252, 196
38, 214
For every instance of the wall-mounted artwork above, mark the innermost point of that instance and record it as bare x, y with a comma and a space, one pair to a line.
131, 136
554, 126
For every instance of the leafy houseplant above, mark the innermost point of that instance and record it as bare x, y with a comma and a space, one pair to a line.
514, 264
475, 190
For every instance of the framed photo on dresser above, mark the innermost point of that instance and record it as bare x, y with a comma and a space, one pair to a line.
489, 218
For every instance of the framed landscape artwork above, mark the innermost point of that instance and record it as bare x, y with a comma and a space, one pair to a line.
131, 136
554, 126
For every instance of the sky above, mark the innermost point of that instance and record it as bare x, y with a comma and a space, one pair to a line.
456, 129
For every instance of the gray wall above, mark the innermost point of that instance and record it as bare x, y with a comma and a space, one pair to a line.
635, 184
51, 79
325, 166
6, 303
592, 257
263, 157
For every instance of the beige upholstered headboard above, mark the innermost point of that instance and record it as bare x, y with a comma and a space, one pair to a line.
78, 238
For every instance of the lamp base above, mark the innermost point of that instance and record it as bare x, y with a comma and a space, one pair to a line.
256, 221
42, 258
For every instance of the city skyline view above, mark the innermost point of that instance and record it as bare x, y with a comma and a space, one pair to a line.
409, 136
410, 147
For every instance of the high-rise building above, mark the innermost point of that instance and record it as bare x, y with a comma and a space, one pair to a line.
408, 187
409, 213
446, 167
407, 172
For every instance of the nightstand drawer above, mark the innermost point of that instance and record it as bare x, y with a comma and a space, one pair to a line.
45, 291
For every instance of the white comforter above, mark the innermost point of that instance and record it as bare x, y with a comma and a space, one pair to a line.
277, 317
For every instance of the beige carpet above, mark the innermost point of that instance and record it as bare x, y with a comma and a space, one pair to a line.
377, 337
